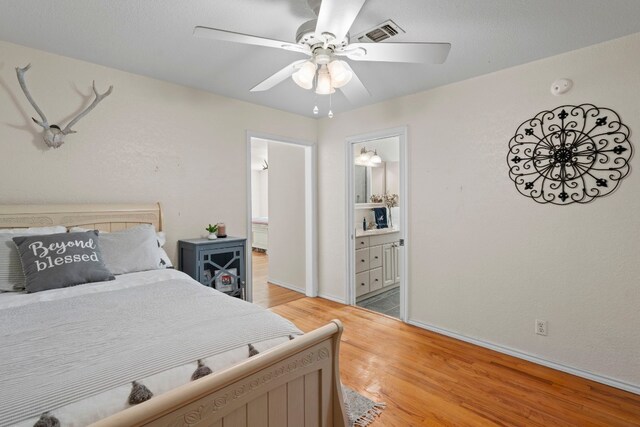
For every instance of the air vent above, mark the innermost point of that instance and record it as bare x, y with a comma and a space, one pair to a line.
379, 33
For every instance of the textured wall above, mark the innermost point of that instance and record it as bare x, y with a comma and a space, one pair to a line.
149, 141
485, 261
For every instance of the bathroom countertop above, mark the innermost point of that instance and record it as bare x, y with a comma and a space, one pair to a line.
376, 231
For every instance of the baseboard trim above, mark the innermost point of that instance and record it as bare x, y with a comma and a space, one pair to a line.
632, 388
286, 285
332, 298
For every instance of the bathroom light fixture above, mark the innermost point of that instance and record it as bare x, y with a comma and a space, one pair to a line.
368, 158
365, 155
375, 158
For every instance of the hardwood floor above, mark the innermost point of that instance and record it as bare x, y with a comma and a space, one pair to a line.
264, 293
428, 379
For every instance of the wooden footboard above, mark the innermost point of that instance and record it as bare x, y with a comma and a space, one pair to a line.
295, 384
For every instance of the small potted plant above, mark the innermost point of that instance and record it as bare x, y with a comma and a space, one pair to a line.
212, 229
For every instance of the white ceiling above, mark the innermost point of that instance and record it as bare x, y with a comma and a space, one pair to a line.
154, 38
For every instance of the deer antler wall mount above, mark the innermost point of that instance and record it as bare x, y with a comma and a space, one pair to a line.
53, 135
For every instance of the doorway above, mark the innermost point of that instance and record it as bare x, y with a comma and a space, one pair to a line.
376, 222
281, 229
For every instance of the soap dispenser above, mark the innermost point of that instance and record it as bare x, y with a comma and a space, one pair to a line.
364, 224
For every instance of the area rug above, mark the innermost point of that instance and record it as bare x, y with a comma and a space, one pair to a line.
360, 410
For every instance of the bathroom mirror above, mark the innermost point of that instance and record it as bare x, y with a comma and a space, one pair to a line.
369, 180
375, 169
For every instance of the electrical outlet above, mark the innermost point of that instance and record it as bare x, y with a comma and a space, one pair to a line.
541, 327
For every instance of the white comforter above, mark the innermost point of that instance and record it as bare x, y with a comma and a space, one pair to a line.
58, 356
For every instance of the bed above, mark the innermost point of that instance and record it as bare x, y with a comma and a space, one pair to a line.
59, 358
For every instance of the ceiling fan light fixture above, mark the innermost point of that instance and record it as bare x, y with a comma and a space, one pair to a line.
304, 76
323, 85
340, 74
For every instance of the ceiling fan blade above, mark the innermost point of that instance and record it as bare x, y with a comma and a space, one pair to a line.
278, 77
355, 91
230, 36
434, 53
337, 16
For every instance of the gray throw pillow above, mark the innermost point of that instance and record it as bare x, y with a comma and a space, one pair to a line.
11, 275
131, 250
61, 260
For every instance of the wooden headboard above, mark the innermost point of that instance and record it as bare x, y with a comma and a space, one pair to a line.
98, 217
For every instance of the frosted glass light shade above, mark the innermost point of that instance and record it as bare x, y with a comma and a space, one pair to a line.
323, 85
364, 156
304, 76
340, 74
375, 158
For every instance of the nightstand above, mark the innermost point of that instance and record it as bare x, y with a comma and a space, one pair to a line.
218, 263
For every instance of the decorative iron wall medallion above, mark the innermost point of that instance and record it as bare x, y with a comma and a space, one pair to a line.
570, 154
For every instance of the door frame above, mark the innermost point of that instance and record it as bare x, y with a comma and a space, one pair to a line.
401, 133
311, 210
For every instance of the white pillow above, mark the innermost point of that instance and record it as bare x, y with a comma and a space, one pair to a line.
164, 262
161, 238
11, 274
131, 250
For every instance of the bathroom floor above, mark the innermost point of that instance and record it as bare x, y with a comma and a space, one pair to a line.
386, 303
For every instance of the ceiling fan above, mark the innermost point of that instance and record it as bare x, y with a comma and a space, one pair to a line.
325, 41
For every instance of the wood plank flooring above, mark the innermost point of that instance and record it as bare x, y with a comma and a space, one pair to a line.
428, 379
266, 294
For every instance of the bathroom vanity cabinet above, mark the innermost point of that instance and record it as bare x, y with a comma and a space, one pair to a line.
376, 263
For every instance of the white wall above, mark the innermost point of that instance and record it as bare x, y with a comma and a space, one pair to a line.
287, 215
260, 193
485, 261
149, 141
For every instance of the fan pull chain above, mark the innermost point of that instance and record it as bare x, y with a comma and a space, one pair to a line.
330, 115
316, 110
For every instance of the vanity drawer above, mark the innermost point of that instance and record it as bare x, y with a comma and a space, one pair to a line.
362, 260
375, 279
362, 242
383, 239
362, 283
375, 256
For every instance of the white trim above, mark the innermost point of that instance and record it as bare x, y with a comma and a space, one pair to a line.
332, 298
401, 133
350, 295
632, 388
311, 209
286, 285
311, 220
404, 224
248, 264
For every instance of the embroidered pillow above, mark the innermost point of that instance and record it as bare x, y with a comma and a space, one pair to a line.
61, 260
